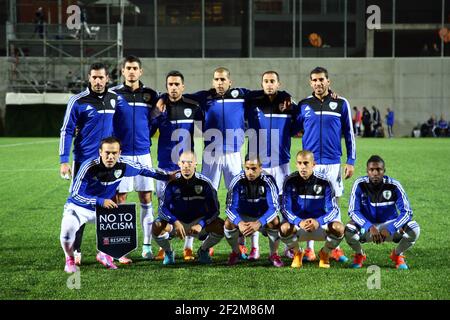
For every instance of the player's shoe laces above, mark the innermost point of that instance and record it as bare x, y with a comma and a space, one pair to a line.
70, 265
289, 253
338, 255
309, 255
254, 254
276, 260
77, 256
147, 252
297, 261
203, 256
125, 260
160, 255
169, 258
106, 260
358, 261
188, 255
324, 259
400, 262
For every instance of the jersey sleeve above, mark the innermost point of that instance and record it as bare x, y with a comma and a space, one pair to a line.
80, 185
354, 208
67, 130
272, 203
212, 207
331, 207
136, 169
403, 206
164, 206
286, 204
349, 135
232, 209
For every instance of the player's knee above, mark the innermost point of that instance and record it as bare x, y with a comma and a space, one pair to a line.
286, 229
145, 197
121, 197
229, 225
216, 226
350, 230
274, 224
412, 230
336, 228
158, 228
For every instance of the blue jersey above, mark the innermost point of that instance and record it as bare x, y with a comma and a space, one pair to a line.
311, 198
258, 198
94, 182
225, 114
189, 200
370, 203
92, 115
176, 131
324, 123
133, 119
390, 118
265, 117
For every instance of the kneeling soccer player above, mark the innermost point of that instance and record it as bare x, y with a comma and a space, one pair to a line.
252, 205
95, 184
188, 206
310, 206
373, 206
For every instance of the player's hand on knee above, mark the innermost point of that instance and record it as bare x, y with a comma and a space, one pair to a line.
375, 234
384, 234
242, 226
109, 204
195, 229
179, 230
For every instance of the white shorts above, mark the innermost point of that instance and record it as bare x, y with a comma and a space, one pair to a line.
137, 183
396, 236
333, 173
83, 215
229, 163
279, 173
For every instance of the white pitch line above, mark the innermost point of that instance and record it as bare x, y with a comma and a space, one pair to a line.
26, 143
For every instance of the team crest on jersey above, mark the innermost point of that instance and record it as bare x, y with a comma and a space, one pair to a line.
317, 188
188, 112
117, 173
198, 189
234, 93
333, 105
146, 97
387, 194
261, 189
113, 103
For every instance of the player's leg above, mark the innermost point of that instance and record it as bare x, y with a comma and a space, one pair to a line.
272, 230
231, 232
334, 235
406, 237
80, 231
289, 235
353, 237
214, 233
69, 226
161, 233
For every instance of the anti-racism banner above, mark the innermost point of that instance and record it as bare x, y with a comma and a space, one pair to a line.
116, 230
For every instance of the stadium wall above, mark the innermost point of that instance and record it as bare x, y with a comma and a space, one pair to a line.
414, 87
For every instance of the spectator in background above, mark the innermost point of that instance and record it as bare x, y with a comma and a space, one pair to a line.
357, 119
367, 122
39, 20
431, 125
390, 122
441, 129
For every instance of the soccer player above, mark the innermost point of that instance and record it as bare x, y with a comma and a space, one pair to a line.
189, 206
133, 127
311, 210
176, 134
252, 205
324, 120
380, 211
90, 114
95, 184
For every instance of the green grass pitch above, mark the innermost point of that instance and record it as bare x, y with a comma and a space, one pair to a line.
31, 261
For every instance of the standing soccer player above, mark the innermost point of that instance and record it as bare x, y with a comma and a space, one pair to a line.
90, 114
311, 210
176, 134
189, 206
324, 120
270, 114
379, 210
95, 184
252, 205
133, 126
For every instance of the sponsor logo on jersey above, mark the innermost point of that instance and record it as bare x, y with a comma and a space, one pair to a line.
317, 188
188, 112
234, 93
333, 105
387, 194
117, 173
198, 189
113, 103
